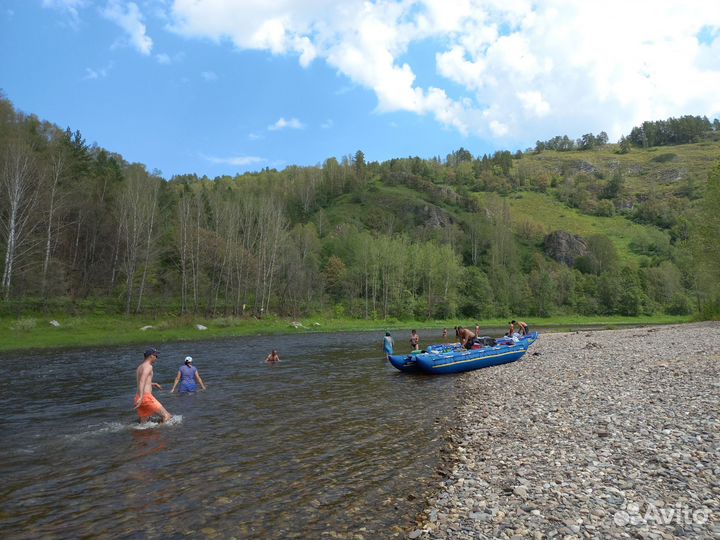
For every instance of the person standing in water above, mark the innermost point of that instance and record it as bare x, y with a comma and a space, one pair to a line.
414, 341
273, 357
388, 344
189, 374
145, 403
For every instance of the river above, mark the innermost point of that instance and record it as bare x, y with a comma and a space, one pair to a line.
330, 440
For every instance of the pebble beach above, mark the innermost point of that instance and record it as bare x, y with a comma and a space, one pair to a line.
593, 434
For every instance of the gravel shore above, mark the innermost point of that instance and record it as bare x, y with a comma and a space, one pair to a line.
602, 434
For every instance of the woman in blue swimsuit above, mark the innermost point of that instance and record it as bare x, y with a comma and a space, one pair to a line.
186, 376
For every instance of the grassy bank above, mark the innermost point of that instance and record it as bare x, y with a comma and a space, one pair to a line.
38, 332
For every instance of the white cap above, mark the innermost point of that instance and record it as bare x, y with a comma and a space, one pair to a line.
188, 358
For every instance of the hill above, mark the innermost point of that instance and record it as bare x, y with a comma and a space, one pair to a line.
610, 229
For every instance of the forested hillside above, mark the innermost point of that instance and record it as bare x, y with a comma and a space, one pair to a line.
568, 227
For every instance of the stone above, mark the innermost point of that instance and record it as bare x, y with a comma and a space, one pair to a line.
565, 247
566, 443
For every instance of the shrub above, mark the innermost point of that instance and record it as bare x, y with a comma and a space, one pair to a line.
664, 158
24, 325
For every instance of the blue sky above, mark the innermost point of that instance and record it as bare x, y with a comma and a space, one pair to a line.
227, 86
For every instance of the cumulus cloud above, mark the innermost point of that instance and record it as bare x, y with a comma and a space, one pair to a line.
512, 70
293, 123
127, 16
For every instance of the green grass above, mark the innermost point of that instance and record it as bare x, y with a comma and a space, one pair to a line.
643, 169
553, 215
77, 332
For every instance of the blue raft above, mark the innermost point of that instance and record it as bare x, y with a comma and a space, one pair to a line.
439, 359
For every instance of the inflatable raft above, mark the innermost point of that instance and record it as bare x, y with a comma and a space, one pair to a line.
440, 359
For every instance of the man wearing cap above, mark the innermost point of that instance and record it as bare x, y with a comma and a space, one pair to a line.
145, 402
188, 374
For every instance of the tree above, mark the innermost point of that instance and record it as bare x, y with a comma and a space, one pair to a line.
55, 169
138, 205
335, 273
18, 182
359, 165
614, 187
623, 145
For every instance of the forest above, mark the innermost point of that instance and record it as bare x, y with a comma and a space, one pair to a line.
567, 227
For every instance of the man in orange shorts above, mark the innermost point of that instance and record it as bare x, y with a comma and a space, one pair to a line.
145, 402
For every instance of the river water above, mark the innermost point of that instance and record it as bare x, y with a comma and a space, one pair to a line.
330, 440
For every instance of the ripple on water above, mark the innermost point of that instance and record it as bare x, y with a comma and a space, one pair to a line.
331, 439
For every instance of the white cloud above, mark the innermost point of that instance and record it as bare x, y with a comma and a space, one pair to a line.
70, 7
512, 69
166, 59
209, 76
94, 74
128, 17
293, 123
534, 103
238, 161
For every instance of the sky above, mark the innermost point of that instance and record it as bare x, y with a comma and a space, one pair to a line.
221, 87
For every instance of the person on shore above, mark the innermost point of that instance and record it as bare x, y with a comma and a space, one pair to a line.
145, 403
522, 328
388, 344
273, 357
477, 330
466, 336
414, 340
188, 374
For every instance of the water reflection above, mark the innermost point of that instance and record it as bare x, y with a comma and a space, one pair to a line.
330, 439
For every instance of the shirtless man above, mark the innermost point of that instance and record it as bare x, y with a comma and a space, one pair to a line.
522, 328
145, 402
273, 357
467, 337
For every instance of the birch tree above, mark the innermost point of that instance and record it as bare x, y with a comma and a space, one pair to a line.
56, 165
138, 204
18, 182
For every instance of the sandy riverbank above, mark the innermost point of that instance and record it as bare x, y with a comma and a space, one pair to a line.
606, 434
